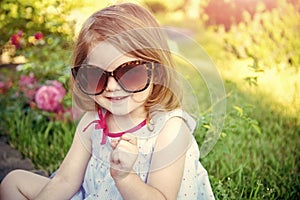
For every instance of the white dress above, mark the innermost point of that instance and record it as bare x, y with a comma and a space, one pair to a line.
98, 184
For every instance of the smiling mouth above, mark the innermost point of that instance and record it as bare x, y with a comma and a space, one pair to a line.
117, 98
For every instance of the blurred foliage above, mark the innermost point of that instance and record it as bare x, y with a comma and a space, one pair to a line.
47, 59
230, 12
48, 16
271, 39
156, 6
227, 13
266, 32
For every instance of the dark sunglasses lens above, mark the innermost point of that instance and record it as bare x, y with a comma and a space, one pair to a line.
133, 77
91, 79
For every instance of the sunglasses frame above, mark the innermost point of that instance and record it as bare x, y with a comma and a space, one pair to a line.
149, 65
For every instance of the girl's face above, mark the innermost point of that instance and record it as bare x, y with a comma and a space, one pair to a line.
115, 99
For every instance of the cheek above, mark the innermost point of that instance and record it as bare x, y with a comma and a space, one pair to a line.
141, 97
99, 100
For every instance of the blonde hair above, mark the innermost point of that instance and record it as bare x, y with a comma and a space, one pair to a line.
132, 29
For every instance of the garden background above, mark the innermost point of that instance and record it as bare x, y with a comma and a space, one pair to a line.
255, 45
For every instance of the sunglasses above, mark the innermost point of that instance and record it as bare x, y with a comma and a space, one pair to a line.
132, 76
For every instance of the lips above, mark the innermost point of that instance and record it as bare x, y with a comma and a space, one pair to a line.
117, 98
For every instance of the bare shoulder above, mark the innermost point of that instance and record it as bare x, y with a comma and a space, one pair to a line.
175, 133
175, 123
83, 131
87, 118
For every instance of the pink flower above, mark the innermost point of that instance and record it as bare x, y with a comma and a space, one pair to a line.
15, 39
20, 33
38, 36
27, 80
49, 98
58, 85
3, 87
28, 85
30, 93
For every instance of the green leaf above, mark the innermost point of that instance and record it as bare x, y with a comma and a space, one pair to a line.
256, 128
239, 110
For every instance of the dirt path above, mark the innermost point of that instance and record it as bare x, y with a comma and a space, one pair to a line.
11, 159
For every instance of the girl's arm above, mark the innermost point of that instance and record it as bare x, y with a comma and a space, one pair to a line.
70, 174
167, 166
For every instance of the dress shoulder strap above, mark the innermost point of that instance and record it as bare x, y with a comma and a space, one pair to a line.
159, 119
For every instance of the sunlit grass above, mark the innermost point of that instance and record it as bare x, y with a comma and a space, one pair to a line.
280, 89
257, 155
258, 165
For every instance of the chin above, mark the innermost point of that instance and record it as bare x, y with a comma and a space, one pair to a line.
118, 112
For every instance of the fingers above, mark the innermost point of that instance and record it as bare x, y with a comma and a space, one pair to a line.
126, 138
126, 144
115, 157
114, 144
124, 155
129, 138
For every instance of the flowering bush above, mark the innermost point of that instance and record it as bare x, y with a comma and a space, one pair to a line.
37, 115
43, 95
40, 35
18, 39
4, 86
49, 97
15, 39
28, 85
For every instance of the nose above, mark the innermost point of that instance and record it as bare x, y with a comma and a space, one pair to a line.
112, 84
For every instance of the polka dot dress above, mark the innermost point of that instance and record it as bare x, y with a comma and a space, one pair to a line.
98, 184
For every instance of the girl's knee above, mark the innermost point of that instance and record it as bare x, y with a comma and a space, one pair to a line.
9, 188
13, 177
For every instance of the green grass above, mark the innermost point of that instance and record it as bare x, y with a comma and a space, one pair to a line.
44, 142
256, 156
246, 163
251, 163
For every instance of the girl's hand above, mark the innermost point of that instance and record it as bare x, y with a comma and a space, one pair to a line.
123, 156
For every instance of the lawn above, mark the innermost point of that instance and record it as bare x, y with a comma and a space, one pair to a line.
245, 80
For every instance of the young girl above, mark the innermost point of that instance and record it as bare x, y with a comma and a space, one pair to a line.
134, 141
